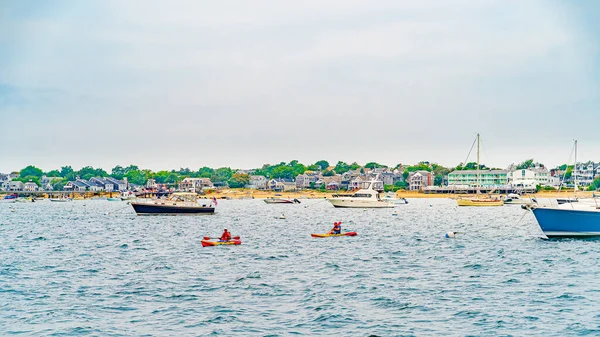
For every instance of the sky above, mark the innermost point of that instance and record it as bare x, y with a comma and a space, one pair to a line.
170, 84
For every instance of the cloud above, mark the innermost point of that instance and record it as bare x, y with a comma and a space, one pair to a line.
402, 81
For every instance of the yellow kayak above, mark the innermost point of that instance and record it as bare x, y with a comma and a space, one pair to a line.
328, 235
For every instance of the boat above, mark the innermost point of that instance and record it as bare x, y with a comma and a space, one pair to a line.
281, 201
113, 199
515, 199
394, 200
9, 199
60, 199
125, 196
561, 201
366, 197
479, 200
208, 243
176, 204
332, 235
571, 218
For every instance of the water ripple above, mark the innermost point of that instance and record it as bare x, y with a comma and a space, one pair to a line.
69, 270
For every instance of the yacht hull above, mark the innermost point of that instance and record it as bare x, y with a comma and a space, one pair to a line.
564, 223
154, 209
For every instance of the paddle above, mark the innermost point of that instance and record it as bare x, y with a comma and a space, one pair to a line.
237, 237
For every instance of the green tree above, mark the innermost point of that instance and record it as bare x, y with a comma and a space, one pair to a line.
401, 184
355, 166
205, 172
390, 188
53, 173
313, 167
65, 170
25, 179
328, 173
238, 180
117, 172
89, 172
136, 177
222, 174
31, 171
341, 167
285, 172
594, 185
525, 164
58, 184
166, 177
373, 165
323, 164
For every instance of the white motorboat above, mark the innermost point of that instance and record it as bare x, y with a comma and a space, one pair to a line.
515, 199
367, 197
396, 201
281, 201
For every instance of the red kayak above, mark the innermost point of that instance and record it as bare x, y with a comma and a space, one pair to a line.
329, 235
208, 243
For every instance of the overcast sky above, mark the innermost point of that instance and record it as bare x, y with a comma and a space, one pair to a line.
170, 84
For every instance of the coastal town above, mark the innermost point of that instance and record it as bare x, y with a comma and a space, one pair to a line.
424, 177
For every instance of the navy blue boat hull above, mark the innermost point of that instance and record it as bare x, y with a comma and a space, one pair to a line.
151, 209
568, 223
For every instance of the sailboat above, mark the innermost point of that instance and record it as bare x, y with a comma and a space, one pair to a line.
479, 200
568, 219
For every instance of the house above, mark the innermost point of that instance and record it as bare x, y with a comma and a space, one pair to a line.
118, 185
195, 184
151, 184
13, 175
15, 186
281, 185
333, 186
30, 186
487, 178
303, 181
585, 173
106, 185
419, 180
257, 182
76, 186
93, 185
356, 183
4, 178
388, 178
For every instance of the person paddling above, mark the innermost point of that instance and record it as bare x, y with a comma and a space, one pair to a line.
226, 236
337, 228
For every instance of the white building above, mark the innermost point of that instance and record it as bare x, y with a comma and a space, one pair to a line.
258, 182
30, 186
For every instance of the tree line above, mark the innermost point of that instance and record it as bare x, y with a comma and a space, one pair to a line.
289, 170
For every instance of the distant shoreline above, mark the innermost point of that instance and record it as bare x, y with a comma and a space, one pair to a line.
312, 194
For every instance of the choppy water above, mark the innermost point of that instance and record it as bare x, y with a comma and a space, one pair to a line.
70, 270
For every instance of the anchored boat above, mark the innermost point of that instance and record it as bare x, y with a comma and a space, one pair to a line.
175, 204
281, 201
479, 200
366, 197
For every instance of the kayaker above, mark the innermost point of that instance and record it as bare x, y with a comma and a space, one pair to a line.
337, 228
226, 236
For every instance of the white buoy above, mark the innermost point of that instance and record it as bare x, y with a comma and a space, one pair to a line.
452, 235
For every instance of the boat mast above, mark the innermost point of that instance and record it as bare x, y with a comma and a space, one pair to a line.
575, 170
478, 174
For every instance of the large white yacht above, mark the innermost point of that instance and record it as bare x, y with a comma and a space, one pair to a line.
366, 197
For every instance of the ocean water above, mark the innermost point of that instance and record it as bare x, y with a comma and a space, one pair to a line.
69, 269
